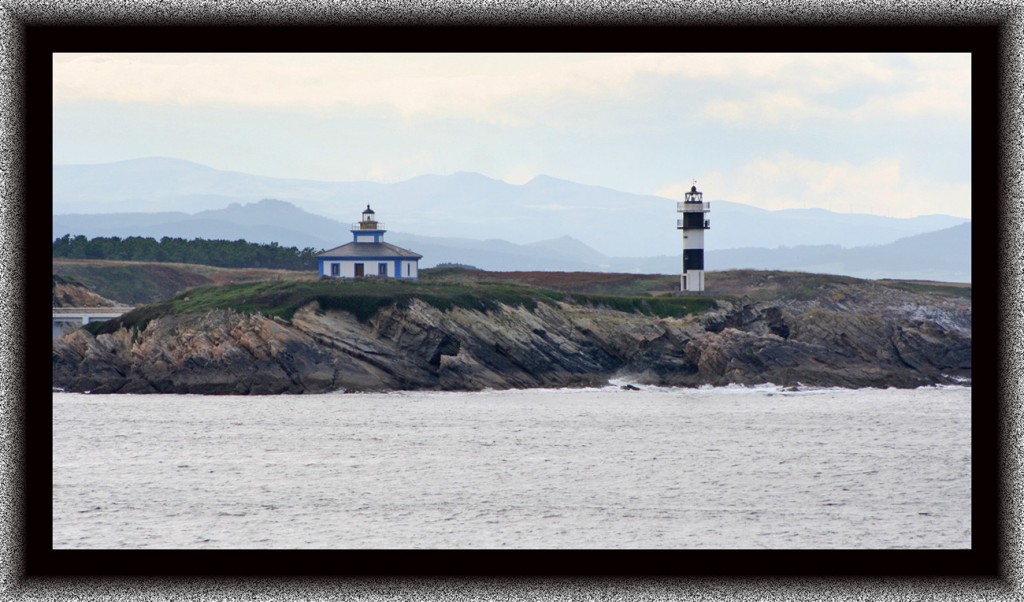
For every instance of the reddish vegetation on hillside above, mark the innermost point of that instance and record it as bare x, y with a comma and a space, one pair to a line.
137, 282
578, 282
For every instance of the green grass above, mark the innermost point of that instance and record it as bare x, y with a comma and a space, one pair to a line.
364, 298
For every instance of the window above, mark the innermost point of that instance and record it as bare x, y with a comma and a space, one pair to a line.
335, 269
359, 270
382, 269
408, 269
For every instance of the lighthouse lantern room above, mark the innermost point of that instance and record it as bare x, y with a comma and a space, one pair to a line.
369, 221
693, 222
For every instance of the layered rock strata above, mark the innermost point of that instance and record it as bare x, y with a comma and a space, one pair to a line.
849, 338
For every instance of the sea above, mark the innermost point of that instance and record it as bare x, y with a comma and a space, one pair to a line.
599, 468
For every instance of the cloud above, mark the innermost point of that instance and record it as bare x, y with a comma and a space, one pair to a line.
399, 167
493, 86
787, 181
819, 87
625, 121
520, 173
411, 84
771, 108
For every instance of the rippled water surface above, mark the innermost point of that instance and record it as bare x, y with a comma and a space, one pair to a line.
590, 468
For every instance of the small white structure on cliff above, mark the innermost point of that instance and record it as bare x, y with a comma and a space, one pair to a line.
368, 254
693, 223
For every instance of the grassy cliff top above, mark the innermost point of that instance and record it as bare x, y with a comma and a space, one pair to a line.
754, 284
133, 283
363, 298
186, 288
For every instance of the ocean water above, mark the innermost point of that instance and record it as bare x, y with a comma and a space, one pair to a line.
669, 468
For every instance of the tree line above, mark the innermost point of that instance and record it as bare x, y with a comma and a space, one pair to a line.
221, 253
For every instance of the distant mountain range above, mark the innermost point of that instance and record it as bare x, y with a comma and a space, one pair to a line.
545, 224
465, 205
943, 255
940, 255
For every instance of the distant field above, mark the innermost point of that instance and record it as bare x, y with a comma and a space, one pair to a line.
577, 282
137, 283
756, 284
953, 289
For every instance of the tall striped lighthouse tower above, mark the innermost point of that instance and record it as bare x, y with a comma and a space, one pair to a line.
693, 222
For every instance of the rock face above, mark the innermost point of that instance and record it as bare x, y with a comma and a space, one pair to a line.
855, 336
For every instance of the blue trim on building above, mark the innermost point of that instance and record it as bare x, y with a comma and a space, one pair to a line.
378, 235
369, 258
398, 263
364, 236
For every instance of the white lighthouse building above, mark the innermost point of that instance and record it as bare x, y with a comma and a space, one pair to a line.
693, 222
368, 254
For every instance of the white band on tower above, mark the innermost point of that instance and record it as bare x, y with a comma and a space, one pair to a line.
693, 222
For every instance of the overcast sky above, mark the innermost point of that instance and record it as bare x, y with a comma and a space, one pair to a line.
863, 133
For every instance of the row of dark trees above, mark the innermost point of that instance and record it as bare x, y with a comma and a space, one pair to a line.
222, 253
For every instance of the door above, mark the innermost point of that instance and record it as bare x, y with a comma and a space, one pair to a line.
359, 270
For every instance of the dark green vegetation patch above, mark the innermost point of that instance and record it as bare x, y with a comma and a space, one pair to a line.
221, 253
364, 298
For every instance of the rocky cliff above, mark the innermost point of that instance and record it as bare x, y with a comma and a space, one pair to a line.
848, 335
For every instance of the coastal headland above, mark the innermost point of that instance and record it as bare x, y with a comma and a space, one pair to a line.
463, 329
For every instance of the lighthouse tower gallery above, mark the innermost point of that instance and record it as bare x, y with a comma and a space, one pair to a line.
693, 223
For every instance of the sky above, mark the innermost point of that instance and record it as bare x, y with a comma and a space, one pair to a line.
887, 134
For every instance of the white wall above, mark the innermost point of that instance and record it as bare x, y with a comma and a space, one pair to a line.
412, 270
347, 268
693, 239
694, 280
370, 268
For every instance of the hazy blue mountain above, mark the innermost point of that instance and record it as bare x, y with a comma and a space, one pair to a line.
734, 225
162, 183
567, 246
940, 255
945, 252
461, 205
276, 221
493, 255
264, 221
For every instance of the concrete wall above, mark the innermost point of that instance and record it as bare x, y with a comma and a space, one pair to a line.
65, 324
692, 280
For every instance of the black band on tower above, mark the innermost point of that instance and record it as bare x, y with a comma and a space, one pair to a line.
693, 220
693, 259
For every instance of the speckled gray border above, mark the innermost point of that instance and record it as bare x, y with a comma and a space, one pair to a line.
15, 12
1011, 284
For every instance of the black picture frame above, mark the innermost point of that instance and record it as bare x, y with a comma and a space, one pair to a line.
985, 42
